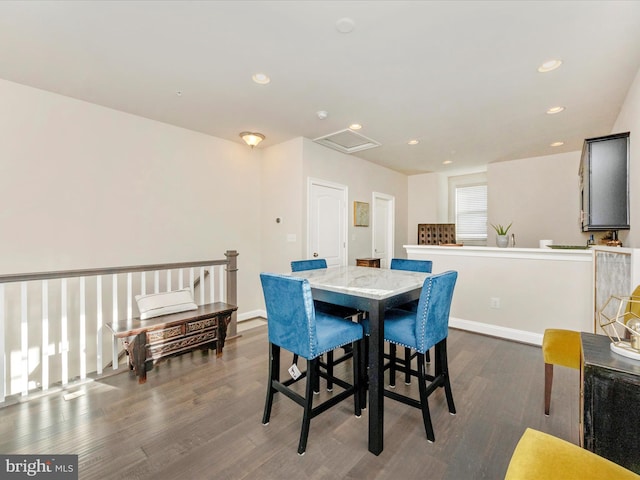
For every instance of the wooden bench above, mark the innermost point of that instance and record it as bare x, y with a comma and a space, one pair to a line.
149, 341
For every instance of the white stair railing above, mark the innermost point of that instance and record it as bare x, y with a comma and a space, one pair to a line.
52, 324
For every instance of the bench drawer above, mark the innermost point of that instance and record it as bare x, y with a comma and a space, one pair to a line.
198, 325
164, 334
168, 348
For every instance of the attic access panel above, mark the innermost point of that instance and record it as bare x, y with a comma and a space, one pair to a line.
347, 141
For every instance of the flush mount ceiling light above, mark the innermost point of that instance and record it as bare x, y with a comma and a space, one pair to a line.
261, 78
554, 110
413, 142
556, 144
447, 162
345, 25
549, 65
252, 139
355, 126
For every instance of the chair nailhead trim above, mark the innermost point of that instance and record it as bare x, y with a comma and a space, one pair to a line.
421, 339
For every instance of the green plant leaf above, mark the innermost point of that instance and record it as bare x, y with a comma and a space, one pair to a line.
501, 230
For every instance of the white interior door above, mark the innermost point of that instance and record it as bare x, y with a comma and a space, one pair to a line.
327, 222
383, 227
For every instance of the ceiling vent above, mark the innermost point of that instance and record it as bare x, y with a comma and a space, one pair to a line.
346, 141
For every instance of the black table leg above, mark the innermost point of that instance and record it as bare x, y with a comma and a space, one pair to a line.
376, 377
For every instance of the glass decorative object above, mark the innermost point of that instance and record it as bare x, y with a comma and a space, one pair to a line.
619, 320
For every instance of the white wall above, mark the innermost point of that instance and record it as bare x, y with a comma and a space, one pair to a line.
83, 186
629, 121
427, 198
283, 196
540, 196
362, 178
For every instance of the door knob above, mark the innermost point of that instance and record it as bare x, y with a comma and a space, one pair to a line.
315, 254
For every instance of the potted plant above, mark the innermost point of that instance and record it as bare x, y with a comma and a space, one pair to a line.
501, 234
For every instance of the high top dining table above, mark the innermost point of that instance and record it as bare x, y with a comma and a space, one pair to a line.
371, 290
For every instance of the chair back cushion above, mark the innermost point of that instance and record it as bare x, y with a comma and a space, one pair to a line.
432, 317
314, 264
411, 265
290, 313
539, 455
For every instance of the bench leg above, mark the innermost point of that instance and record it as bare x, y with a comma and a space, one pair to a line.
223, 323
138, 356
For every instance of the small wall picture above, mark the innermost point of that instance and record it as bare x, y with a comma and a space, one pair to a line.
360, 214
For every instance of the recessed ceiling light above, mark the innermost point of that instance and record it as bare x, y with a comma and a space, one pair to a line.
447, 162
345, 25
549, 65
355, 126
556, 144
261, 78
179, 93
554, 110
413, 142
322, 114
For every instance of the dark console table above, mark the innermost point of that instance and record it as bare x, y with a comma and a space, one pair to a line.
368, 262
149, 341
610, 406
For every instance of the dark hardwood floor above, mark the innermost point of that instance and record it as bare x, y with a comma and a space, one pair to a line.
199, 417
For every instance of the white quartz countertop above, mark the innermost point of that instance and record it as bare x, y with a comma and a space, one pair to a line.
375, 283
578, 254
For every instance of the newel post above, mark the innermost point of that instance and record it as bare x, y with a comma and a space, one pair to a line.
232, 289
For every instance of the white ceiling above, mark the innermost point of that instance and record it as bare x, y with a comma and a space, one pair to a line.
458, 76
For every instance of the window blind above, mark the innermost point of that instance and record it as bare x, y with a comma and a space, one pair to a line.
471, 214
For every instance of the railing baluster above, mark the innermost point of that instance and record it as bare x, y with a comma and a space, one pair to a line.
64, 333
114, 319
156, 281
202, 291
129, 296
222, 294
212, 271
3, 367
99, 324
143, 283
180, 279
83, 329
168, 280
191, 280
45, 335
24, 338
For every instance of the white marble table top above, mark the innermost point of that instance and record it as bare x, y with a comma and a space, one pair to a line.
374, 283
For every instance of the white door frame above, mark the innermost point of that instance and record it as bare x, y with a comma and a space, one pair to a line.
345, 227
390, 228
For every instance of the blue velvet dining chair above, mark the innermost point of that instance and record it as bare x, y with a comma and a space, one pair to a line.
411, 265
337, 310
294, 325
423, 266
312, 264
419, 331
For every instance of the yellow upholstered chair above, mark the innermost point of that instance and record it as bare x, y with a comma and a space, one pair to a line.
633, 308
540, 456
559, 347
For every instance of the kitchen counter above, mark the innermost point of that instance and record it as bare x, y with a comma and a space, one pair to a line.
516, 293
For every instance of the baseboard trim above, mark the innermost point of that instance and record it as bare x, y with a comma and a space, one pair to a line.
469, 325
496, 331
251, 315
